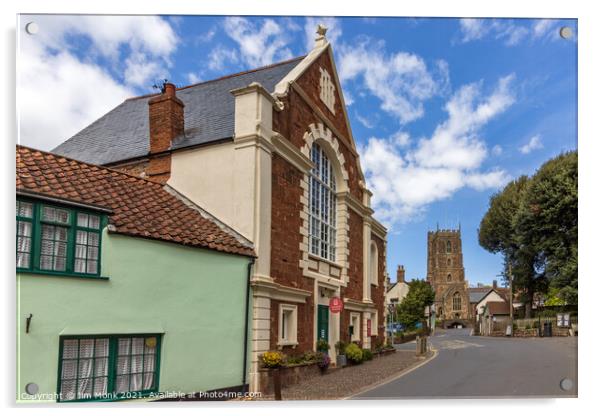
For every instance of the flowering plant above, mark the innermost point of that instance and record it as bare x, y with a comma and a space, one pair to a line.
272, 359
324, 361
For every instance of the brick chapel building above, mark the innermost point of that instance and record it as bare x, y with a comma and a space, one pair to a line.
269, 152
445, 273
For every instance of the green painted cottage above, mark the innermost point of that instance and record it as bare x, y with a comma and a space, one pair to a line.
125, 289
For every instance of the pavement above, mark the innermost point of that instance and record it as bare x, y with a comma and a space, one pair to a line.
479, 367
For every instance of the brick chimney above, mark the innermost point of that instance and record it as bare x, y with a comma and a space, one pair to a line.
401, 274
166, 122
495, 284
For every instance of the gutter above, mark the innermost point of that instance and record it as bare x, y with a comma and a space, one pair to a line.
246, 337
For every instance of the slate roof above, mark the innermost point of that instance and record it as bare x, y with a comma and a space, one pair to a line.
475, 294
123, 133
140, 208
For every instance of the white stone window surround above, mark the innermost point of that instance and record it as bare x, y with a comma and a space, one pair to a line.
287, 325
374, 323
322, 135
355, 320
373, 263
327, 90
322, 203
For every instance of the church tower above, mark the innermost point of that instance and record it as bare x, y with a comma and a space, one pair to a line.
445, 273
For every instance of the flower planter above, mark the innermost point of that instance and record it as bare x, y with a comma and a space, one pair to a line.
289, 376
341, 360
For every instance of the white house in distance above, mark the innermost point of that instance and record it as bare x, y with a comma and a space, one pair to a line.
398, 290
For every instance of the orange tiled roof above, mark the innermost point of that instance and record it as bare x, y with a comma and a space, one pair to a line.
140, 208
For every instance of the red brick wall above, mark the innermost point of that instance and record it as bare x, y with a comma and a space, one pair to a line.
355, 287
305, 327
286, 223
378, 292
293, 122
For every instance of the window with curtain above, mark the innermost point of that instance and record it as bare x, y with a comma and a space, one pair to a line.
457, 302
108, 367
24, 234
53, 239
322, 206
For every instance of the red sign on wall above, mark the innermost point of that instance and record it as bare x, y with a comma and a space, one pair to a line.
335, 305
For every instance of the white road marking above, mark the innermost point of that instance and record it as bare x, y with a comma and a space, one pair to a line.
457, 344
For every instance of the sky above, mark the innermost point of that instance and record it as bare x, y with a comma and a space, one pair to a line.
444, 112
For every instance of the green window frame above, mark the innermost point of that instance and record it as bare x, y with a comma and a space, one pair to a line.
58, 240
108, 367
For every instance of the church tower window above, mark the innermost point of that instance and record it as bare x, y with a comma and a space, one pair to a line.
449, 247
457, 302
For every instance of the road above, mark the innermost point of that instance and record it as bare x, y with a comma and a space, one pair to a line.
477, 367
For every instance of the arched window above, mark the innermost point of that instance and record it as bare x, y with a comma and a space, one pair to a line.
449, 262
457, 302
373, 263
448, 247
322, 205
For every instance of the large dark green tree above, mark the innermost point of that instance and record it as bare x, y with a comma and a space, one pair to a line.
411, 309
547, 222
498, 234
533, 223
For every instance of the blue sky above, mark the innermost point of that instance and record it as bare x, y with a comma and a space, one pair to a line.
444, 111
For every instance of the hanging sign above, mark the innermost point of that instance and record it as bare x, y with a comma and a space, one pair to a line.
335, 305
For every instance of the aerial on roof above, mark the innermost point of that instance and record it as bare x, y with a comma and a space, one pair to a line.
139, 207
123, 133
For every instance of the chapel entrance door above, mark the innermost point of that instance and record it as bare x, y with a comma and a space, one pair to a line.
323, 322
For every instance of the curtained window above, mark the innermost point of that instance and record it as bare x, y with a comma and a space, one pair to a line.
53, 239
108, 367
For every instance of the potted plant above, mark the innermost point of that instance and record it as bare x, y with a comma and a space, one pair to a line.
322, 345
354, 353
341, 357
274, 361
323, 362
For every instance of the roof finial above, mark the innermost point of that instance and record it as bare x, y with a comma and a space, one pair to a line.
321, 39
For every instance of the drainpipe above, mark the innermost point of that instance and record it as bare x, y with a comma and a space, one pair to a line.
246, 337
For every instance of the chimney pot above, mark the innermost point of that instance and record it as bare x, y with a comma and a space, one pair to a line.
401, 273
170, 89
166, 122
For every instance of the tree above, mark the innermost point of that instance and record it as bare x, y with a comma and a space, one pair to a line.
498, 234
533, 223
547, 222
411, 309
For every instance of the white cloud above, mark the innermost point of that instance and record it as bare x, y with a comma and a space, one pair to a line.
533, 144
220, 57
193, 78
405, 180
365, 121
473, 29
311, 25
259, 44
60, 90
544, 28
497, 150
401, 81
507, 30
